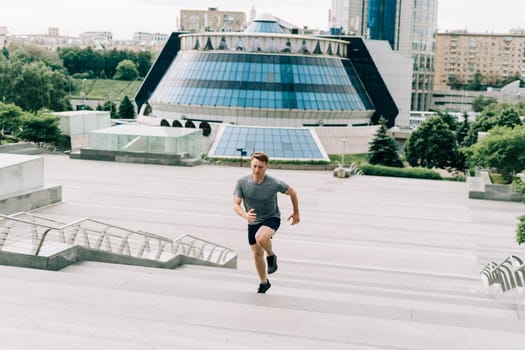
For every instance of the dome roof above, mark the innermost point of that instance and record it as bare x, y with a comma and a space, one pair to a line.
265, 23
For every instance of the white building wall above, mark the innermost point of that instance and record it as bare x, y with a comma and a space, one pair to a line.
396, 70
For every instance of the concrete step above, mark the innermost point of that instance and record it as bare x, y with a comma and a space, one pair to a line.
314, 290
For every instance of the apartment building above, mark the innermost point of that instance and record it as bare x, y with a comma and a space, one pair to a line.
212, 20
462, 57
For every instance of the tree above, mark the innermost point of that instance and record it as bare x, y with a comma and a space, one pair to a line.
479, 103
143, 61
383, 148
109, 106
462, 131
126, 70
500, 114
206, 128
10, 119
451, 120
40, 128
126, 109
33, 86
432, 144
454, 83
476, 83
503, 148
509, 117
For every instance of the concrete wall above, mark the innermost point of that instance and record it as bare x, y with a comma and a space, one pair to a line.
480, 187
20, 173
22, 184
136, 157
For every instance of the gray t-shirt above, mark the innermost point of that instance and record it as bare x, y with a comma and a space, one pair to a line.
260, 197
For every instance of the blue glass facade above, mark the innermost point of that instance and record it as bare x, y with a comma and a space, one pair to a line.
262, 81
278, 143
382, 16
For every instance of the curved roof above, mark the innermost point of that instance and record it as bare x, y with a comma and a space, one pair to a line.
265, 23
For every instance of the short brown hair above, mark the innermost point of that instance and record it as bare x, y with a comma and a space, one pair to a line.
263, 157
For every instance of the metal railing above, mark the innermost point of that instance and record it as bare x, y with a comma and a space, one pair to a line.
32, 234
509, 275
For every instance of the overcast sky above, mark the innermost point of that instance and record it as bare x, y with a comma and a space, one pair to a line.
124, 17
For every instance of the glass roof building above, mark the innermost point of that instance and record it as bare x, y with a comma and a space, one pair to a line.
265, 77
261, 76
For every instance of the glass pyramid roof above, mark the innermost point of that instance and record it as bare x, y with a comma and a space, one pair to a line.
278, 143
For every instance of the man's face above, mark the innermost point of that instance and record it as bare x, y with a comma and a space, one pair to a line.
258, 168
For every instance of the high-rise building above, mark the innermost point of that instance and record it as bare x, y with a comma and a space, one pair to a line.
409, 27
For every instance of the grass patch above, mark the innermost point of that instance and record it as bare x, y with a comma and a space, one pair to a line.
497, 179
105, 89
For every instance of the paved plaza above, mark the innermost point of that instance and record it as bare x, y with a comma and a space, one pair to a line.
376, 263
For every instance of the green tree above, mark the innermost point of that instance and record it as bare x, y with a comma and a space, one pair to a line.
454, 83
126, 108
383, 149
509, 117
476, 83
143, 61
502, 148
126, 70
451, 120
10, 119
40, 128
33, 86
432, 144
109, 106
479, 103
500, 114
462, 130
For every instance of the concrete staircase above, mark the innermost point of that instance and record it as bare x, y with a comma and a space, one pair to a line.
106, 306
377, 263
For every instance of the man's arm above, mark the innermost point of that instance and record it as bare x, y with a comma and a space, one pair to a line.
248, 215
295, 204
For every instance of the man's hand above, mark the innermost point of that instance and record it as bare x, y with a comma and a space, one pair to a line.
250, 215
295, 218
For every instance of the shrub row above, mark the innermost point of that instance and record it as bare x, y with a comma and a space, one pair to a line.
419, 173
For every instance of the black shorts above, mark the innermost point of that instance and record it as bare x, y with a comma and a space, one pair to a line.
273, 223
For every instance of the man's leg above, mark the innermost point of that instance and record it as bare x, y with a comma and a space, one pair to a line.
263, 239
258, 259
260, 266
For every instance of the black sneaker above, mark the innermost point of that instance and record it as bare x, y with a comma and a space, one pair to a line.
272, 263
263, 287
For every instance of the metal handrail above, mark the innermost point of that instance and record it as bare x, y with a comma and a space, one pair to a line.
125, 240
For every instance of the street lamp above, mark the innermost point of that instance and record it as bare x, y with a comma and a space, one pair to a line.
83, 93
243, 153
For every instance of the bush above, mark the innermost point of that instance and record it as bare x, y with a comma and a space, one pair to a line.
418, 173
520, 230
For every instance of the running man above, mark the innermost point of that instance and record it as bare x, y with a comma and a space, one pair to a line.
258, 194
